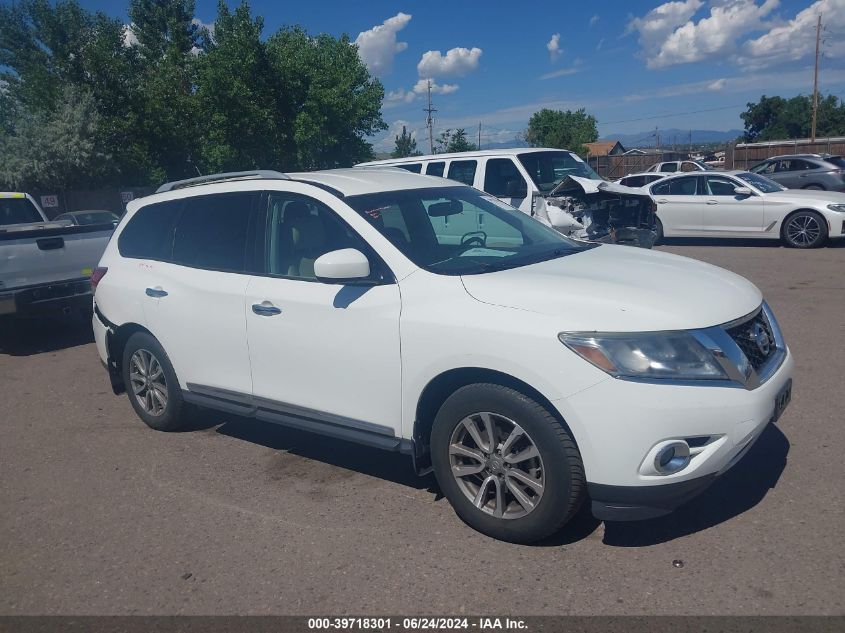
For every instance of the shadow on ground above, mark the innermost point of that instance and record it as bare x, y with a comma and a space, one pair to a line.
739, 243
735, 492
25, 337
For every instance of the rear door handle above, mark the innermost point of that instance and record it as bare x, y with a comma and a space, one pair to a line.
156, 292
662, 201
712, 202
265, 309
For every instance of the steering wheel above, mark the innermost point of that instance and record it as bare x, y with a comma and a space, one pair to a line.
474, 238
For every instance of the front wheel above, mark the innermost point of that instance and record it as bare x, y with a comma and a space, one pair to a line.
506, 464
804, 229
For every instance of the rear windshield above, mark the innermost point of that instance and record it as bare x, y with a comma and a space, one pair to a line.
18, 211
837, 160
96, 217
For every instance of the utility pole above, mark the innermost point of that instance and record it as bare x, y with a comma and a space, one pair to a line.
429, 121
690, 142
479, 135
816, 80
656, 137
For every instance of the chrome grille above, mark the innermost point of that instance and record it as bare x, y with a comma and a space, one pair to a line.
755, 338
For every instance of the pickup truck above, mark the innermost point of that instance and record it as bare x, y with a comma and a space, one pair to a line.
45, 267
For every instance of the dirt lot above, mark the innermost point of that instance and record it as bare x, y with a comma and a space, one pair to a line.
101, 515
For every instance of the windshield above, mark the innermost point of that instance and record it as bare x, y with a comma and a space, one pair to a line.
547, 169
18, 211
96, 217
460, 230
760, 182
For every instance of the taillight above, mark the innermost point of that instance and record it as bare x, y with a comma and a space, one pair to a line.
96, 276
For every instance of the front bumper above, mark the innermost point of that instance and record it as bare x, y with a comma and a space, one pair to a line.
617, 423
49, 298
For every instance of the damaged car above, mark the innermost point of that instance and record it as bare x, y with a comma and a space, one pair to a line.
556, 186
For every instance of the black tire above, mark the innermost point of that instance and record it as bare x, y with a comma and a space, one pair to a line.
809, 221
562, 470
815, 187
173, 414
659, 226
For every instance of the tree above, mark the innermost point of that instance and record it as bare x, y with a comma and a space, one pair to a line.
57, 149
775, 118
562, 129
406, 145
456, 141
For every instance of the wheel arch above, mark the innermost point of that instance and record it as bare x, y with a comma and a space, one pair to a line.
116, 340
439, 388
803, 210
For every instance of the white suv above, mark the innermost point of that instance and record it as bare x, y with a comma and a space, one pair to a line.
528, 370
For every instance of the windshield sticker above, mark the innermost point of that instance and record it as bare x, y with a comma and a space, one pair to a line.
485, 252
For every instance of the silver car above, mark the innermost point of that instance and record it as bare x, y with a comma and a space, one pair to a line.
805, 171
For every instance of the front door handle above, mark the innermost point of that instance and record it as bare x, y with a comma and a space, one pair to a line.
662, 201
712, 202
156, 292
265, 309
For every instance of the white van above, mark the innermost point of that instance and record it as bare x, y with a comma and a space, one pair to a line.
554, 185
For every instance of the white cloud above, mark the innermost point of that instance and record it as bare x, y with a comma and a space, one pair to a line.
594, 20
553, 46
378, 46
669, 35
717, 85
563, 72
209, 26
129, 37
796, 39
600, 44
420, 89
457, 62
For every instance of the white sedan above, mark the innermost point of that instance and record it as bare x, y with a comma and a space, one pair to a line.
746, 205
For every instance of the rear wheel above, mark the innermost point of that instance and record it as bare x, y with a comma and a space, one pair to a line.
815, 187
804, 229
508, 467
151, 383
659, 229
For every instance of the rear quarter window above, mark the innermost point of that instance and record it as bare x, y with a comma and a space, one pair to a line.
149, 233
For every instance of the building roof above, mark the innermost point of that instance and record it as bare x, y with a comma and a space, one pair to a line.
603, 148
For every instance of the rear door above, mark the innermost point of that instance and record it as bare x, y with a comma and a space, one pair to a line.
729, 214
195, 301
679, 207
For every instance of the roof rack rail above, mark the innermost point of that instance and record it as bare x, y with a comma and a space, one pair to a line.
224, 177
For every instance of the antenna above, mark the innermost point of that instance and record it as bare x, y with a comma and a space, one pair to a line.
816, 81
429, 121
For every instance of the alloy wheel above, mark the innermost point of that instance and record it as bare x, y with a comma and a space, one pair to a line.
803, 230
496, 465
149, 384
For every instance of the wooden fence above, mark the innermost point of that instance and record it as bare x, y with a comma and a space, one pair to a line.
745, 155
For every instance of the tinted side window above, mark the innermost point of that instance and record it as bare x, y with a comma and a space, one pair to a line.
463, 171
634, 181
412, 167
435, 169
719, 186
669, 167
502, 179
212, 231
149, 234
683, 186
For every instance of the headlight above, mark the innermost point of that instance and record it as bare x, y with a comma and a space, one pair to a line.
837, 207
668, 355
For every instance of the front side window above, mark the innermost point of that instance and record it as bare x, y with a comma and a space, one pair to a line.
459, 230
502, 179
301, 229
686, 186
720, 186
548, 169
212, 232
149, 233
463, 171
765, 168
435, 169
18, 211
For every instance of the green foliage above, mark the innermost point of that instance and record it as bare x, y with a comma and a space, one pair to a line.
776, 118
58, 149
406, 145
181, 100
456, 141
562, 129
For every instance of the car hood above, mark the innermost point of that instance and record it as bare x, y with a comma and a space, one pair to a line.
618, 288
807, 196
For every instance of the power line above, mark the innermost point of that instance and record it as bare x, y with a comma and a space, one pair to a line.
666, 115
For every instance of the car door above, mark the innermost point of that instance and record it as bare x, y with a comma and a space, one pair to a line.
788, 173
503, 179
326, 354
194, 302
680, 209
728, 213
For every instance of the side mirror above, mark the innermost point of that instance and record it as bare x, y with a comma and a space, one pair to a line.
743, 191
342, 266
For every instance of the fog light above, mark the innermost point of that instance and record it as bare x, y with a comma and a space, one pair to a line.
672, 457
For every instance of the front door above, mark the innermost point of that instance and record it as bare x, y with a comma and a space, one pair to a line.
324, 353
730, 214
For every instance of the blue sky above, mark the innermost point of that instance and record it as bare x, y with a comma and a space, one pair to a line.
634, 65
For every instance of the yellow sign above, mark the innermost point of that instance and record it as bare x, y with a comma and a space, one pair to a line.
86, 272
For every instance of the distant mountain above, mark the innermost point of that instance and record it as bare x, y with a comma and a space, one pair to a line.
673, 135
